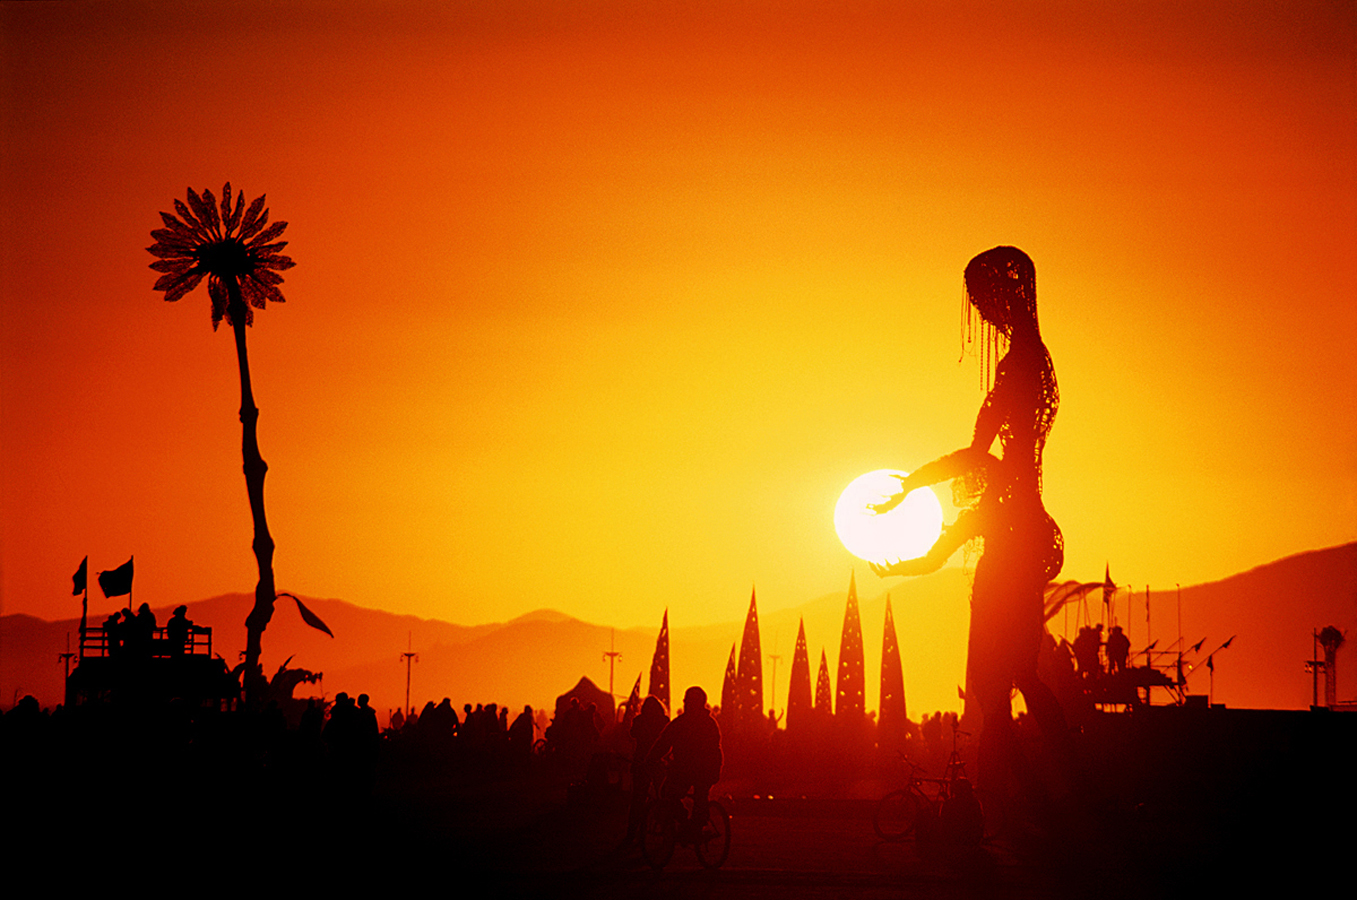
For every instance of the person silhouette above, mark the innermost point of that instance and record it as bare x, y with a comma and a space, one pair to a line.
645, 730
694, 740
143, 630
1023, 547
1118, 649
177, 631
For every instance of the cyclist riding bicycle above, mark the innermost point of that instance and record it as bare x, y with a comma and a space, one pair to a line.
694, 741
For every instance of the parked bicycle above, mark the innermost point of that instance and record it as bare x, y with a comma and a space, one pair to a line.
937, 808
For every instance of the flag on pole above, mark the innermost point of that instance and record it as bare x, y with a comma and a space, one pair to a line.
633, 703
79, 577
117, 582
1109, 589
659, 664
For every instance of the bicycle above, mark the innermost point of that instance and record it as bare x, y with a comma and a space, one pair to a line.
666, 824
918, 808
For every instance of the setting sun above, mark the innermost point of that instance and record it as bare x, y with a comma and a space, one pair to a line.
905, 532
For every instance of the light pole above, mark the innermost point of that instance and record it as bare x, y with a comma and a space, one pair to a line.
409, 656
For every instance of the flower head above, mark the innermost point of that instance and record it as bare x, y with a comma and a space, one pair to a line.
231, 247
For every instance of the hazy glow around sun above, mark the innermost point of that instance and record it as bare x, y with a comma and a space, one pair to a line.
903, 533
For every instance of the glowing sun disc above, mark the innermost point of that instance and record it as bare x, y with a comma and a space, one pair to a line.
903, 533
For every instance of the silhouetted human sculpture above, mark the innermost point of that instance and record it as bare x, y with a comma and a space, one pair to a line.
694, 740
1023, 547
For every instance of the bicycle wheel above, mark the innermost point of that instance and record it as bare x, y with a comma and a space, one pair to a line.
660, 835
895, 815
714, 845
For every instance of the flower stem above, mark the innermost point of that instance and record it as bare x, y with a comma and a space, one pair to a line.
255, 469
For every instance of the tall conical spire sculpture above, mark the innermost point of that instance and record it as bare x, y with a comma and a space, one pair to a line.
749, 678
659, 665
800, 701
729, 705
850, 697
891, 722
824, 691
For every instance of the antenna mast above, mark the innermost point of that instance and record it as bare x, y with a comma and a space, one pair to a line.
612, 656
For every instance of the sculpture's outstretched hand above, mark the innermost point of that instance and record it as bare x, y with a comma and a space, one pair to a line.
892, 501
920, 565
966, 526
887, 505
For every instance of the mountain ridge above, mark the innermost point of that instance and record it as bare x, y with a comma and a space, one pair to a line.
535, 656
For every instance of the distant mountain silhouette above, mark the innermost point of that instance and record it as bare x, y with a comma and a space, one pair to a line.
539, 655
1274, 609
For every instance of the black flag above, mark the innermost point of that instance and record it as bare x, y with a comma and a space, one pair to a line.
79, 577
659, 664
116, 582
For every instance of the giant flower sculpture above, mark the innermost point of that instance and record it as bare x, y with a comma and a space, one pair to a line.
231, 247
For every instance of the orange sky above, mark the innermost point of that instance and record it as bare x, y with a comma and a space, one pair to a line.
599, 306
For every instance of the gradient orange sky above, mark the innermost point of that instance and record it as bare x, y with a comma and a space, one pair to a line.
599, 306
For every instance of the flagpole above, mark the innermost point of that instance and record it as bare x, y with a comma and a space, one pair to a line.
84, 611
1148, 635
1180, 642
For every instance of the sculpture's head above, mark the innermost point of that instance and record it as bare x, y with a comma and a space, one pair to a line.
1002, 286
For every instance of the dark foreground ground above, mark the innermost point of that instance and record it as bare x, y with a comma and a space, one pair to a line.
1172, 804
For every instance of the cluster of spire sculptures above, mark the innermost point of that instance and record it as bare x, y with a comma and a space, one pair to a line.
742, 693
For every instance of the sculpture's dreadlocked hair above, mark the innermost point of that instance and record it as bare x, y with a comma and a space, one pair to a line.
1001, 305
989, 342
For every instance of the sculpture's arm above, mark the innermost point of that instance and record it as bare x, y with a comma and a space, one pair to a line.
953, 465
953, 536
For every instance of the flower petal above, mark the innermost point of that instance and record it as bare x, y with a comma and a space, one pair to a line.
250, 229
235, 216
213, 220
216, 290
226, 202
187, 216
272, 293
176, 226
187, 282
165, 251
172, 238
172, 265
267, 234
252, 214
200, 208
276, 262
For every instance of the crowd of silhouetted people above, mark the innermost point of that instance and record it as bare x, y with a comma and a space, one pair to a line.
484, 737
129, 635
